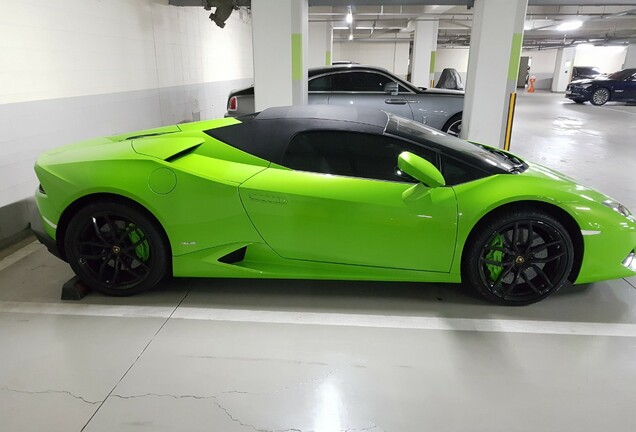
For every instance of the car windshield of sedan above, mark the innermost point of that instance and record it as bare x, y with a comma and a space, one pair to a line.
426, 135
621, 75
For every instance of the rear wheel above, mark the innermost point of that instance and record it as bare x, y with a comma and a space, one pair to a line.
454, 125
600, 96
518, 258
116, 249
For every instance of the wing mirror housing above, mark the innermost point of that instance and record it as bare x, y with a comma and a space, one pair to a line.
391, 88
420, 169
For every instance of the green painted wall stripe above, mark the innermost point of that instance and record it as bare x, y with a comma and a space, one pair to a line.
432, 65
327, 58
515, 56
297, 56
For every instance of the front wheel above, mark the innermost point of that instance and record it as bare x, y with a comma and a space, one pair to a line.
116, 249
518, 258
454, 125
600, 96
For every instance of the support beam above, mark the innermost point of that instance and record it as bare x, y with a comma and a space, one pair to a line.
493, 66
424, 53
320, 44
563, 69
280, 34
630, 56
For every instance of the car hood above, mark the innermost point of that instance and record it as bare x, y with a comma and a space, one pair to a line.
569, 188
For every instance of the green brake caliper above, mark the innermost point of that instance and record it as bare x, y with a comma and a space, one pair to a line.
143, 249
495, 255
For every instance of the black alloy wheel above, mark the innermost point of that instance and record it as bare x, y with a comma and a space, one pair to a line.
454, 125
600, 96
116, 249
519, 258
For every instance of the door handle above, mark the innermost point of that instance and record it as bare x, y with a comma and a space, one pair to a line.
395, 101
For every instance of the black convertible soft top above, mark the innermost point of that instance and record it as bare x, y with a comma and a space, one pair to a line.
267, 134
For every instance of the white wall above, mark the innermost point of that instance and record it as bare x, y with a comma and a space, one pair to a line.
608, 59
393, 56
542, 66
75, 69
456, 58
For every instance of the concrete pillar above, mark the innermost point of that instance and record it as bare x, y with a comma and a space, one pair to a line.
279, 32
630, 56
493, 65
563, 69
320, 44
424, 52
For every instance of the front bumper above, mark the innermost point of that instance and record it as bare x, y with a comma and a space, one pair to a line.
38, 229
577, 93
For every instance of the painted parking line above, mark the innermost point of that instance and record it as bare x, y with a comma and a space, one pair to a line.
618, 110
19, 254
327, 319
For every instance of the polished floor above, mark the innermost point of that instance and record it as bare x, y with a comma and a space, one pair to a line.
241, 355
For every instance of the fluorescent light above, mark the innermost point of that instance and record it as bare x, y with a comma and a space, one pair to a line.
528, 25
349, 18
350, 36
570, 25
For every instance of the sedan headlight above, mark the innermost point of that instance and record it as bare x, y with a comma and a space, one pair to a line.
585, 86
618, 208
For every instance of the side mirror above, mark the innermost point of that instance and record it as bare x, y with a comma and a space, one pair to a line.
391, 88
420, 169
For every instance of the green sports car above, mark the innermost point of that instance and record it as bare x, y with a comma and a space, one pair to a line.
323, 192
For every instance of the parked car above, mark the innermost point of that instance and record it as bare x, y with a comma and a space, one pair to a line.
619, 86
372, 87
585, 72
323, 192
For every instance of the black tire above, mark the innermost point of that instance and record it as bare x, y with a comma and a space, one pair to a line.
116, 249
600, 96
518, 271
454, 125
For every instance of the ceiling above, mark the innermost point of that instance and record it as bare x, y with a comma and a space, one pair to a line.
601, 25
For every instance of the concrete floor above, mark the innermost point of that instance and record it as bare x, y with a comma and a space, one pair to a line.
227, 355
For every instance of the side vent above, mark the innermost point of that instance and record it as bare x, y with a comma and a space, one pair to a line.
182, 153
234, 257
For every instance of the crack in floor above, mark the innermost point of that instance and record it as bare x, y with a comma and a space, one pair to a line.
66, 392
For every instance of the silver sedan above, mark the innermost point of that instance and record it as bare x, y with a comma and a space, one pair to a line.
373, 87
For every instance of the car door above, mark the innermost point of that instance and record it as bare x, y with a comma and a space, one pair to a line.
629, 87
362, 88
339, 198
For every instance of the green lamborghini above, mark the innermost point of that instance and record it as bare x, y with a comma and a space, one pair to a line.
323, 192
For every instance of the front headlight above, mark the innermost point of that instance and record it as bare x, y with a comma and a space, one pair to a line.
585, 86
618, 208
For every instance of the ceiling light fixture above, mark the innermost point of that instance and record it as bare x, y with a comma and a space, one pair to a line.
350, 36
349, 18
570, 25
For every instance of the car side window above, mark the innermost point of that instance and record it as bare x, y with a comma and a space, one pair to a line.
456, 172
351, 154
322, 83
360, 82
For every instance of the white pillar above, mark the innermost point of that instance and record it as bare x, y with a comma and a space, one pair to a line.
563, 69
320, 43
630, 56
424, 52
493, 65
279, 32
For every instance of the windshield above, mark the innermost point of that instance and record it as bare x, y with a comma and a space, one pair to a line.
621, 75
426, 135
